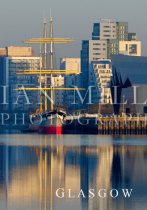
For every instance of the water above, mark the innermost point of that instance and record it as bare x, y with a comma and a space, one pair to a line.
33, 167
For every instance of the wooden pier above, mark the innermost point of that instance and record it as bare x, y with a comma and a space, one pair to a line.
123, 125
109, 125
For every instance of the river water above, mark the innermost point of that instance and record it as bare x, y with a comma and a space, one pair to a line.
33, 168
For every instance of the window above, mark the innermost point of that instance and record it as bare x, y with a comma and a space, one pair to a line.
96, 53
96, 44
95, 59
133, 49
96, 48
107, 31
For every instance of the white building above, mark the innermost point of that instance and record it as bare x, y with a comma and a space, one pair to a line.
100, 74
107, 29
70, 64
97, 50
132, 48
58, 81
104, 30
16, 51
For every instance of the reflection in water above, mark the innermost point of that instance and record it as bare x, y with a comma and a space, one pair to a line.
31, 174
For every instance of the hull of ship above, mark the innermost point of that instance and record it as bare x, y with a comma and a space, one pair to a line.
51, 126
48, 122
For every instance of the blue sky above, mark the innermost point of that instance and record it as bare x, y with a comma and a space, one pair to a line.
20, 20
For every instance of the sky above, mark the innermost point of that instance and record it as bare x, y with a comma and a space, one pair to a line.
20, 20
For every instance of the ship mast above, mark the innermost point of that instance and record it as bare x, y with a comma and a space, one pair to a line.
45, 73
45, 62
45, 46
51, 65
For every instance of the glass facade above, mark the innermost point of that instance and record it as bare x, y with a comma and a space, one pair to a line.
10, 78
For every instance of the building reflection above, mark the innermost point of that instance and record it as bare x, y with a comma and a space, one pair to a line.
30, 175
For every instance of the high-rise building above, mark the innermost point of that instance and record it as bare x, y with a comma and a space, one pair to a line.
8, 68
109, 29
105, 29
121, 35
112, 47
92, 50
100, 74
108, 38
122, 31
116, 34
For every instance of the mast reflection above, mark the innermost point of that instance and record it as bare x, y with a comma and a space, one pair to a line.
30, 175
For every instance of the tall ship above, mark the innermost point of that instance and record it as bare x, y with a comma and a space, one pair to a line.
49, 118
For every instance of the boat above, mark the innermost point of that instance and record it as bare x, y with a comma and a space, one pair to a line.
49, 119
48, 122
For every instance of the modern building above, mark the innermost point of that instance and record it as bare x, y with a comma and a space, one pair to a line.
58, 81
71, 64
108, 38
132, 37
118, 38
109, 29
105, 29
100, 74
122, 31
16, 51
132, 48
112, 47
112, 32
92, 50
129, 75
9, 66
